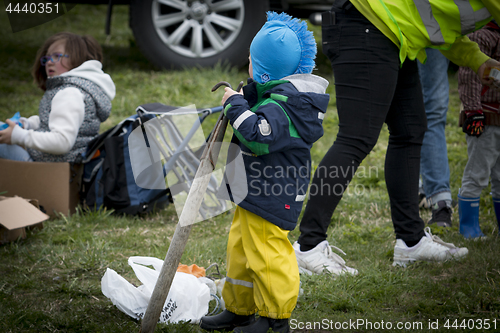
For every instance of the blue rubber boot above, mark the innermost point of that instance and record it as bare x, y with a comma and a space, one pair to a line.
468, 213
496, 205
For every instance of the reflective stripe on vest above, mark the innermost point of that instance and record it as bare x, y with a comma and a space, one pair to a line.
468, 19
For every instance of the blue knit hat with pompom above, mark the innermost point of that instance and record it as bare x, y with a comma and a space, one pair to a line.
282, 47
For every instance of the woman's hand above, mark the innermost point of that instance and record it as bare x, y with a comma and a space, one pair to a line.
486, 68
228, 93
6, 134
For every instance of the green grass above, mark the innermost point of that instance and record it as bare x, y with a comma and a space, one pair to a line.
50, 282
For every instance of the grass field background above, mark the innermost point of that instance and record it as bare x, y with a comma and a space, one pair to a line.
50, 282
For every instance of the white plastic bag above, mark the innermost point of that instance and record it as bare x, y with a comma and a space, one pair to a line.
187, 299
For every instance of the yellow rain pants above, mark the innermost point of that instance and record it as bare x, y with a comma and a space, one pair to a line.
262, 272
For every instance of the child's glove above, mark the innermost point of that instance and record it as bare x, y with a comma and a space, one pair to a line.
474, 124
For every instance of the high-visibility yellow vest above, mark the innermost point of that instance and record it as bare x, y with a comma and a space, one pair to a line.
428, 23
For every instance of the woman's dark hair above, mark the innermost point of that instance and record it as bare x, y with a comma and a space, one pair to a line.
79, 48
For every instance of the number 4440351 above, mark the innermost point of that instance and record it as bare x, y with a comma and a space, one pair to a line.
471, 324
33, 8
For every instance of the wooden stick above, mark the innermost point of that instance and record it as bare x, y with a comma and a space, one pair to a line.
188, 216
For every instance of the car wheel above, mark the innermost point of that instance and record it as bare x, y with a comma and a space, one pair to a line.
186, 33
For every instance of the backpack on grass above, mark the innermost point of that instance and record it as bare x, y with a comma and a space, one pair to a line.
108, 180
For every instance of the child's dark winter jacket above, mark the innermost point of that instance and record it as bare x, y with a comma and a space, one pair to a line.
276, 124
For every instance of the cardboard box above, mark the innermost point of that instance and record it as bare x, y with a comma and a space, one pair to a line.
54, 185
17, 214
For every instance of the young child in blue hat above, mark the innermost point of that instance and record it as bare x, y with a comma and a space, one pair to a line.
276, 120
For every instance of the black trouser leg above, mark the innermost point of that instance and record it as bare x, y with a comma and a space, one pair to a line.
406, 122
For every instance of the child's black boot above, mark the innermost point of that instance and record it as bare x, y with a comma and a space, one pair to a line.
225, 321
263, 324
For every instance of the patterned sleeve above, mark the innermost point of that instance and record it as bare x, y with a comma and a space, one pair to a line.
469, 84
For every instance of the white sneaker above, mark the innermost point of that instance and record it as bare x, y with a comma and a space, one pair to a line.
322, 259
430, 248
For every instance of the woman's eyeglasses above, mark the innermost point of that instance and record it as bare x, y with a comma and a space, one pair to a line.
55, 57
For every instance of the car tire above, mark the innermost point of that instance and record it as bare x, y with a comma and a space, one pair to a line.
186, 33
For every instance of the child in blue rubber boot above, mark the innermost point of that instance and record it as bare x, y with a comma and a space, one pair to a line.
275, 120
480, 120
